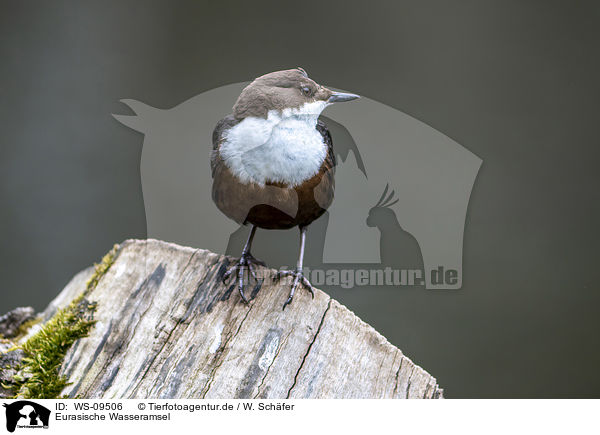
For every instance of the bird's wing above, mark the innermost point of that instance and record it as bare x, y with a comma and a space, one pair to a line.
322, 128
217, 138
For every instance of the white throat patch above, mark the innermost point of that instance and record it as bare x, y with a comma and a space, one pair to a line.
286, 147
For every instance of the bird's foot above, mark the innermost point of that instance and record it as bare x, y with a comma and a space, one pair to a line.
246, 262
298, 278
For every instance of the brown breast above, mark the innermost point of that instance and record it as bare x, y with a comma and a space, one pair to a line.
275, 205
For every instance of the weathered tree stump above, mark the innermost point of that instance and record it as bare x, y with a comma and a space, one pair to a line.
167, 327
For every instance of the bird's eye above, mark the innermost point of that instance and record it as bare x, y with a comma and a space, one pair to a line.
306, 91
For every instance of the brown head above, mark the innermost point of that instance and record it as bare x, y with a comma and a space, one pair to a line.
279, 90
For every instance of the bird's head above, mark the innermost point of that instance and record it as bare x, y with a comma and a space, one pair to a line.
289, 91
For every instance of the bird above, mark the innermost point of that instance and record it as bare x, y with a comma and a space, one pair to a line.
273, 164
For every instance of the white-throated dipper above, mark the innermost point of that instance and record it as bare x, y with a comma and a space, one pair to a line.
273, 162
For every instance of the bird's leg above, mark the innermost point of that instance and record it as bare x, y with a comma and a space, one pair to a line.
297, 274
246, 261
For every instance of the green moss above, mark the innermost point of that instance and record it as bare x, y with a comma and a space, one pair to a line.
24, 328
101, 268
45, 351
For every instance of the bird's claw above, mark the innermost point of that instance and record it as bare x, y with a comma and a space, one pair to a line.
299, 278
246, 261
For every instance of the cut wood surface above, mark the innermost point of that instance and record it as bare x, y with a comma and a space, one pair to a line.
167, 327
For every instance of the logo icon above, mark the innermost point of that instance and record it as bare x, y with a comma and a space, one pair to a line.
26, 414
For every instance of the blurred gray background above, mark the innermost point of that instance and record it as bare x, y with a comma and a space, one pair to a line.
514, 82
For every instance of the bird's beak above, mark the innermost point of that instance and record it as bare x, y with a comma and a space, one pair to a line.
340, 97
